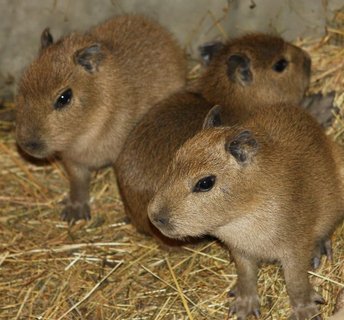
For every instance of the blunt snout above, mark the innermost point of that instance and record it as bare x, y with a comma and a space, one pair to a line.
29, 138
33, 147
159, 217
32, 144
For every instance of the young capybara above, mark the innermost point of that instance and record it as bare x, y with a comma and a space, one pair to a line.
269, 187
84, 93
279, 71
245, 69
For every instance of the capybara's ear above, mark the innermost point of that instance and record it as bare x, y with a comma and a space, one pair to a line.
46, 38
213, 118
208, 50
89, 57
238, 69
242, 147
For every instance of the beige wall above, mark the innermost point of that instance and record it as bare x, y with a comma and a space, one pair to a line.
191, 20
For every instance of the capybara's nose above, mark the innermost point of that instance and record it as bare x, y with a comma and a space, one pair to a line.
33, 145
160, 218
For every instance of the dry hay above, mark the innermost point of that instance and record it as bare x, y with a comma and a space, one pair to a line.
103, 269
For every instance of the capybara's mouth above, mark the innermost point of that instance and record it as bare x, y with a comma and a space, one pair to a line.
170, 231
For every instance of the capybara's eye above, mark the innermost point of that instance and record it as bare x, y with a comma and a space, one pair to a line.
280, 65
205, 184
64, 99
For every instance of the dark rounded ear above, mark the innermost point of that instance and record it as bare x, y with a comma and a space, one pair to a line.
46, 38
238, 69
89, 57
208, 50
213, 118
242, 147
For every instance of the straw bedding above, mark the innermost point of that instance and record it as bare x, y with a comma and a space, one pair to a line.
104, 269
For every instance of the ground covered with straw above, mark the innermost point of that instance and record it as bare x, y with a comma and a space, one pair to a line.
104, 269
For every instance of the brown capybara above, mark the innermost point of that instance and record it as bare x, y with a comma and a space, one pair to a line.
278, 70
269, 187
245, 72
84, 93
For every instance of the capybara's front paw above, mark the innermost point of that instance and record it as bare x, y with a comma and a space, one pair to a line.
317, 297
243, 306
323, 247
75, 211
306, 312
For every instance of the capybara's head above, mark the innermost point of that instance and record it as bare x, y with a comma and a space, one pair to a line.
57, 93
208, 183
255, 67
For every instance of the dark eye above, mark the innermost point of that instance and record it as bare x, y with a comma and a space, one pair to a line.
64, 99
205, 184
280, 65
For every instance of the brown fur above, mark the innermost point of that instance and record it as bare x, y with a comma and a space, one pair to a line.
153, 142
278, 193
263, 53
149, 149
117, 71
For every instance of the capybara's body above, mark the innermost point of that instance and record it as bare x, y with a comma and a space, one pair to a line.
150, 148
240, 71
83, 94
270, 187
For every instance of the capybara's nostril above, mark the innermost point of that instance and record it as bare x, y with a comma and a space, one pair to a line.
161, 220
33, 145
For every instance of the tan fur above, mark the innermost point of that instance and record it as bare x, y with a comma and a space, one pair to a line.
139, 63
338, 315
278, 203
153, 142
